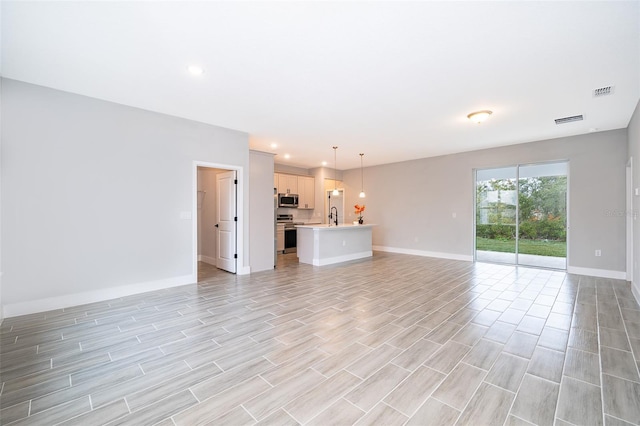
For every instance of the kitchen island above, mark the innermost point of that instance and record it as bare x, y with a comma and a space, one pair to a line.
325, 245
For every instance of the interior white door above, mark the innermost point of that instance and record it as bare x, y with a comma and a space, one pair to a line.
336, 201
226, 221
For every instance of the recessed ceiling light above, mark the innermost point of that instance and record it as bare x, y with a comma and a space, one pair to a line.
479, 116
195, 70
287, 156
274, 145
324, 163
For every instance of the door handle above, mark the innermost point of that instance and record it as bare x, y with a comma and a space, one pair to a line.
217, 225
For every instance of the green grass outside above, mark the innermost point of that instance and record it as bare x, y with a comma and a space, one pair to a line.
540, 248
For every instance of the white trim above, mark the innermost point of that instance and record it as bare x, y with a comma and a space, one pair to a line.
1, 307
630, 218
207, 259
340, 259
451, 256
241, 269
600, 273
635, 289
60, 302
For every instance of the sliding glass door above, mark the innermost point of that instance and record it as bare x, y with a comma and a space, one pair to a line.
521, 215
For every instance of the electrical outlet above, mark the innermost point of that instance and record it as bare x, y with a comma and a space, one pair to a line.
598, 253
344, 243
454, 215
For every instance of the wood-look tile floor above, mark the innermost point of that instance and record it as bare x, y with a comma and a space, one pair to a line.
390, 340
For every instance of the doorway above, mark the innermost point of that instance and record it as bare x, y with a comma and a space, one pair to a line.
336, 201
521, 215
218, 223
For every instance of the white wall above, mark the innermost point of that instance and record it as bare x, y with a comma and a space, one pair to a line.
413, 202
93, 194
634, 152
261, 211
1, 306
292, 170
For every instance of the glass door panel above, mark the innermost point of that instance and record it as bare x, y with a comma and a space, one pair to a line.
496, 215
542, 215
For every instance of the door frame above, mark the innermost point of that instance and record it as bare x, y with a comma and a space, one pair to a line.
517, 166
327, 204
629, 219
241, 269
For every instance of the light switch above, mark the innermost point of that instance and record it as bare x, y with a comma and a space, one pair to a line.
637, 191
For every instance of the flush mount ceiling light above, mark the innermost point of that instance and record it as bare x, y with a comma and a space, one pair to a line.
479, 116
287, 156
273, 145
195, 70
335, 171
362, 194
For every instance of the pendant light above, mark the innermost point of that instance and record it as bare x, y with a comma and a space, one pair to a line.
362, 194
335, 171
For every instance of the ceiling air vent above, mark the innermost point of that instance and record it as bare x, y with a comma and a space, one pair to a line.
603, 91
564, 120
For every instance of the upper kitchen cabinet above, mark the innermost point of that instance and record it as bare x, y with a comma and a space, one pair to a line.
287, 184
306, 192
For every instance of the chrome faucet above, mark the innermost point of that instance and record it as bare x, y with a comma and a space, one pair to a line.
332, 217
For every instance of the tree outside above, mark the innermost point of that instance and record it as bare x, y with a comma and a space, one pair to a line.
541, 216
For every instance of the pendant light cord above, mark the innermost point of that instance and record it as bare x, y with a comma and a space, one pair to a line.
362, 195
361, 175
335, 168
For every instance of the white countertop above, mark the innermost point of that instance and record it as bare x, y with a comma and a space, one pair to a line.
324, 226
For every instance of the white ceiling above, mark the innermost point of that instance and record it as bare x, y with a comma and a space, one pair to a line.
394, 80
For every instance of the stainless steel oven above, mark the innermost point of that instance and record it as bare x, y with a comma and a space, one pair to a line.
290, 238
290, 232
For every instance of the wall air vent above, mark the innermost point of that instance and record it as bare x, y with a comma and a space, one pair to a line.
603, 91
564, 120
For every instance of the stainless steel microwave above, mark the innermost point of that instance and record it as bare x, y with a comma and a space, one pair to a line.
288, 200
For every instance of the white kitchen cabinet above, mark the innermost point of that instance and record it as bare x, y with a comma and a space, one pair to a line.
280, 238
287, 184
275, 180
306, 192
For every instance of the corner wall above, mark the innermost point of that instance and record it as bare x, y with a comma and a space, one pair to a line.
634, 152
98, 197
261, 212
1, 269
414, 202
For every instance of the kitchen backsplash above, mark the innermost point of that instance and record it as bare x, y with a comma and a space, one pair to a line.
299, 215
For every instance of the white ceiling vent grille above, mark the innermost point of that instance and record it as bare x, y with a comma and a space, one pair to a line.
603, 91
564, 120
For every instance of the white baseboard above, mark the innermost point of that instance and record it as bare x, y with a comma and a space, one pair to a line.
242, 270
340, 259
600, 273
635, 289
1, 309
60, 302
424, 253
207, 259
